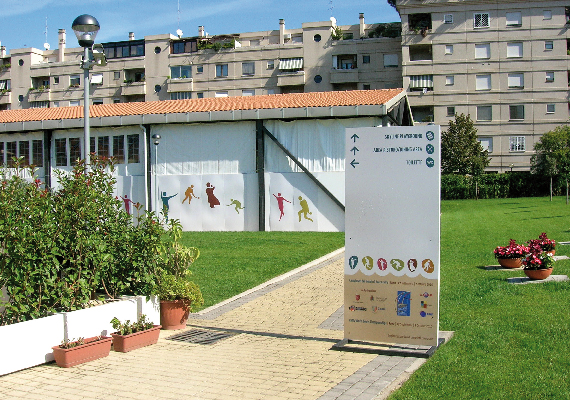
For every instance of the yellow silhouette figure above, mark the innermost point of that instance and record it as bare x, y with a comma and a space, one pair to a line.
237, 204
304, 209
189, 194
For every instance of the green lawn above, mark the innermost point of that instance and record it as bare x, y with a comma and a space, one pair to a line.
511, 341
233, 262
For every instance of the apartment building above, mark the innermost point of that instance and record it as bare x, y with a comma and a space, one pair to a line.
503, 62
317, 57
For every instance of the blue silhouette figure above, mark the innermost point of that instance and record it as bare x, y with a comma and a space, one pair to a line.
165, 206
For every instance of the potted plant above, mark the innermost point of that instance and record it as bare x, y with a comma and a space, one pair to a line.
177, 293
548, 245
71, 353
131, 336
537, 264
510, 256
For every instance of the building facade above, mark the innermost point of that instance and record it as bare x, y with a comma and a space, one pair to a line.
503, 62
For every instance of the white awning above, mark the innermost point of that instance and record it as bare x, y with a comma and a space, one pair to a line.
421, 81
291, 63
97, 79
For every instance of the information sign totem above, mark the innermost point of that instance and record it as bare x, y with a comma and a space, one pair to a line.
392, 260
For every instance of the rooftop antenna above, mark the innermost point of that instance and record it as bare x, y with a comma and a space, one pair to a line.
46, 44
331, 7
179, 31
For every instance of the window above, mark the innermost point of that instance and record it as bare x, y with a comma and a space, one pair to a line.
514, 18
486, 144
547, 14
200, 95
181, 72
448, 49
390, 60
221, 70
317, 38
74, 80
97, 101
448, 19
248, 68
131, 48
221, 94
483, 82
483, 50
74, 150
5, 84
516, 81
11, 149
344, 61
550, 108
24, 151
180, 95
450, 112
550, 76
248, 92
119, 149
271, 64
117, 75
549, 45
37, 153
516, 112
517, 143
484, 113
318, 79
366, 59
481, 20
515, 49
103, 146
39, 104
199, 69
133, 148
449, 80
421, 52
365, 86
421, 82
116, 101
60, 152
92, 145
55, 104
73, 103
56, 80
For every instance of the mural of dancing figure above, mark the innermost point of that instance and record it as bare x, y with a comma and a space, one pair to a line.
280, 200
127, 202
212, 200
189, 194
237, 204
304, 209
165, 206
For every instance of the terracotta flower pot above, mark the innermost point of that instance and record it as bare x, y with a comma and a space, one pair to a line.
510, 262
174, 314
91, 350
126, 343
538, 274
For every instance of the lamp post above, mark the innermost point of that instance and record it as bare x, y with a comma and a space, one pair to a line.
85, 28
156, 141
512, 165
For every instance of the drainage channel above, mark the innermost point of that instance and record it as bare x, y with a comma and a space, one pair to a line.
201, 336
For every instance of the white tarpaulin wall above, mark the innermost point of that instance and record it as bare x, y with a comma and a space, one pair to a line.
206, 175
17, 138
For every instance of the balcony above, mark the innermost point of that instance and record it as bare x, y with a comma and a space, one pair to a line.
344, 75
180, 85
39, 94
291, 78
5, 97
133, 88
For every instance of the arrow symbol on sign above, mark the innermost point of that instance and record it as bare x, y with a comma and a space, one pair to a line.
354, 150
353, 163
354, 137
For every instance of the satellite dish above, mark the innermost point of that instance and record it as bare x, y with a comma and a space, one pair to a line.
179, 33
46, 46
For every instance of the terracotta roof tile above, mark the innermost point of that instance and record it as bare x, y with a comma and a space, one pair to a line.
276, 101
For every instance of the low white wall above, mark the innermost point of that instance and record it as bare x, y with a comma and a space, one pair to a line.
29, 343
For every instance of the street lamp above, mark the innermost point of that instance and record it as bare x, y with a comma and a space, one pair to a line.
156, 141
512, 165
85, 28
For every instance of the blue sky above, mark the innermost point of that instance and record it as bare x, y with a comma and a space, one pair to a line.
23, 22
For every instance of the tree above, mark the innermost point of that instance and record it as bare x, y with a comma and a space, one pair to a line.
553, 155
392, 3
461, 152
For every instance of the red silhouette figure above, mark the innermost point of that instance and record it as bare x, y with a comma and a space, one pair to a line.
127, 202
280, 200
211, 198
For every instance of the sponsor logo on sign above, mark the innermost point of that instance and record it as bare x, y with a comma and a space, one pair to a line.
354, 308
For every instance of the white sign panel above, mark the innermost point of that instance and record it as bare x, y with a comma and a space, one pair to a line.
392, 234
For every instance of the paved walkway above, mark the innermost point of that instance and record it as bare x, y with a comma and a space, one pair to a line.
279, 348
